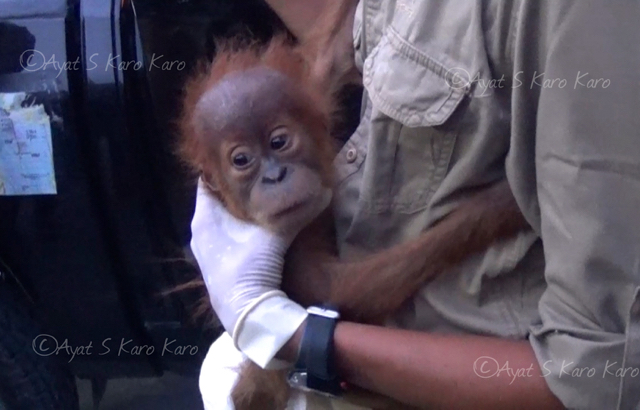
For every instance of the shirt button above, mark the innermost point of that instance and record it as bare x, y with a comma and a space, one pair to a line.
352, 154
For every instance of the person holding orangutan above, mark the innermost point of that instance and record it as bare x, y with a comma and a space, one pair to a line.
522, 301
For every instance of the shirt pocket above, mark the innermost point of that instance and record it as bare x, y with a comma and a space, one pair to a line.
412, 133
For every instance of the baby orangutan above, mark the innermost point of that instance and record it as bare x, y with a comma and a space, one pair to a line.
256, 126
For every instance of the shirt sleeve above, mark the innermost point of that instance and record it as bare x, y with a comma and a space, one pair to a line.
575, 168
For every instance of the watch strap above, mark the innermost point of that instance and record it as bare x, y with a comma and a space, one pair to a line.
316, 357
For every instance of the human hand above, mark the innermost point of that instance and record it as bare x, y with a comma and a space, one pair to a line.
241, 265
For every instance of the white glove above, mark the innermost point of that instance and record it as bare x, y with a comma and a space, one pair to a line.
241, 264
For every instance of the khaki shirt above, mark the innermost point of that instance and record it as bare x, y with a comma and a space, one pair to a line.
459, 93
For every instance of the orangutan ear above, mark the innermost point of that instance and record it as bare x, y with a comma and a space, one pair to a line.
208, 181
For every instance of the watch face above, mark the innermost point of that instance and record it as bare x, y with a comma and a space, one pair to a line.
298, 381
318, 311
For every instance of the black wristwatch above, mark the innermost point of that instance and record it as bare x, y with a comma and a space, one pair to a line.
315, 370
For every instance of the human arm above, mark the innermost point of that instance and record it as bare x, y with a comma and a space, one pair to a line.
455, 377
439, 371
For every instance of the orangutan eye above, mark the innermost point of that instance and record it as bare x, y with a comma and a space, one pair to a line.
241, 160
278, 142
279, 139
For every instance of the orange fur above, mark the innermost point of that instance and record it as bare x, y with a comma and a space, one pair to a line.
317, 106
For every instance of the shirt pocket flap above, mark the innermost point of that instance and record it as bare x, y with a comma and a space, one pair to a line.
409, 86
